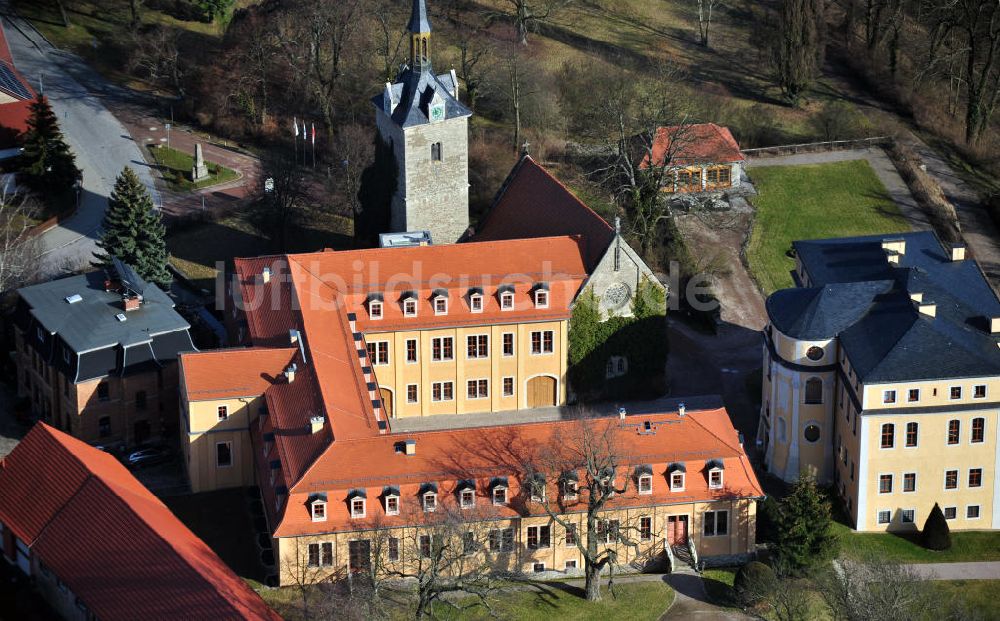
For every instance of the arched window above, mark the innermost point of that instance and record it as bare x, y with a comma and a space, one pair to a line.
814, 390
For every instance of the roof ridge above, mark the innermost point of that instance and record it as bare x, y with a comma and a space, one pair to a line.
738, 448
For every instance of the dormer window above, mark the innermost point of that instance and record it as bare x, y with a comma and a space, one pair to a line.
676, 474
500, 495
570, 489
375, 306
410, 307
430, 501
467, 498
357, 507
506, 293
542, 297
644, 479
390, 498
476, 300
536, 485
715, 470
317, 507
440, 302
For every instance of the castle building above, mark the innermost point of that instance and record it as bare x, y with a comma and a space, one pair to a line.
881, 376
421, 117
96, 356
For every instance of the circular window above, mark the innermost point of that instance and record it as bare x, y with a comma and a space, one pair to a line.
814, 353
811, 433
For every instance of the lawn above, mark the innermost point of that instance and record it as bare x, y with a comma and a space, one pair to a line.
222, 520
719, 585
965, 546
978, 598
175, 167
813, 202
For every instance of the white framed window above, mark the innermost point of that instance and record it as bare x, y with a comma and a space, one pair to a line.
888, 396
319, 511
715, 478
677, 481
955, 392
972, 512
477, 346
442, 391
478, 389
542, 342
645, 484
430, 501
508, 386
440, 305
913, 395
912, 435
508, 344
908, 516
975, 477
320, 554
358, 507
978, 433
909, 482
410, 307
950, 513
507, 300
885, 484
979, 391
392, 504
541, 298
570, 489
223, 454
378, 353
951, 479
537, 487
467, 498
539, 537
538, 567
442, 348
375, 309
412, 351
716, 523
500, 495
476, 302
884, 516
570, 565
412, 393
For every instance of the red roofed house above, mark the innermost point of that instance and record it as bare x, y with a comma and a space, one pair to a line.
706, 156
16, 96
100, 546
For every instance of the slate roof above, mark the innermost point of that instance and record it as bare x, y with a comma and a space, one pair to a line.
418, 18
91, 323
858, 295
116, 546
412, 93
533, 203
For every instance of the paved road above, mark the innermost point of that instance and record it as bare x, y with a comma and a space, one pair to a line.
691, 601
958, 571
102, 144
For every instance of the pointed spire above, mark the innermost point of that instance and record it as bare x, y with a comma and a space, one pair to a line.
419, 23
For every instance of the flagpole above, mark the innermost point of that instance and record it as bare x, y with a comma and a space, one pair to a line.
295, 124
314, 144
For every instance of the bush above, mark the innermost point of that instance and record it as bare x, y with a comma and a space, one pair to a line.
838, 120
753, 582
926, 191
936, 535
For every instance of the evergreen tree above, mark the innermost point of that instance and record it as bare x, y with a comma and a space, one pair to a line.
133, 231
802, 529
47, 164
936, 535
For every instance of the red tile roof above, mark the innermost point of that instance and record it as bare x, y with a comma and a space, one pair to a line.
115, 545
231, 373
480, 454
533, 203
706, 143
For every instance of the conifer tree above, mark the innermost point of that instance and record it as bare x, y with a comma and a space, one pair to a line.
803, 538
47, 164
936, 535
133, 231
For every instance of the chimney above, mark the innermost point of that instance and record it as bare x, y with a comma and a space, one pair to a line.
896, 244
290, 373
622, 413
681, 409
928, 308
917, 297
411, 447
265, 275
131, 302
957, 252
994, 325
293, 336
316, 424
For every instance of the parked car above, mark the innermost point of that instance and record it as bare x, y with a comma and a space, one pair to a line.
148, 457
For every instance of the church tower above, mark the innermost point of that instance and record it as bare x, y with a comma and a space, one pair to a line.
428, 127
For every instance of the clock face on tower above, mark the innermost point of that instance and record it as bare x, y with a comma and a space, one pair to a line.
617, 295
437, 112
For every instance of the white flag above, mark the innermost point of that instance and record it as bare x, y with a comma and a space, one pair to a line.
295, 124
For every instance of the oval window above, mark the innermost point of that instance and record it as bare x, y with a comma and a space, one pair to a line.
811, 433
814, 353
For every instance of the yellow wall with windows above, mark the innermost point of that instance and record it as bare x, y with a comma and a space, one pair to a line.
425, 372
201, 432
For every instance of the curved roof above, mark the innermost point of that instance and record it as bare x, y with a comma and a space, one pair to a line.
819, 313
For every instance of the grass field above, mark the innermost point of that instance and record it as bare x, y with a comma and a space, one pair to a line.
813, 202
539, 601
175, 166
965, 546
978, 597
719, 585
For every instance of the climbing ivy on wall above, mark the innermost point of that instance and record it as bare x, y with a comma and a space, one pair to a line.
641, 339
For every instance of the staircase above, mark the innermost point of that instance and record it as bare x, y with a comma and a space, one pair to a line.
684, 562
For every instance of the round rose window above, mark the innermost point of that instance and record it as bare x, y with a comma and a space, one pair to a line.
814, 353
812, 433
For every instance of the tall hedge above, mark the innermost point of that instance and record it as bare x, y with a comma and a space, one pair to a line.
936, 535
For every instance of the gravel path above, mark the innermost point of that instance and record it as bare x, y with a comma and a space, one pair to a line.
958, 571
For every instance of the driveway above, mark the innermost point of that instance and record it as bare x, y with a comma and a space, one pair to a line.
691, 601
102, 145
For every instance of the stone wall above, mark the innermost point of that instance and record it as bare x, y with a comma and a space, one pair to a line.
615, 282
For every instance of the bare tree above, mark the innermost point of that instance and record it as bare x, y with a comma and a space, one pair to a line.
876, 588
389, 35
352, 152
307, 570
157, 53
796, 46
973, 28
276, 212
254, 56
706, 8
528, 15
588, 463
19, 249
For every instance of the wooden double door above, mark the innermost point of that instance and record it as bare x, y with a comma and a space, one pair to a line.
541, 392
677, 529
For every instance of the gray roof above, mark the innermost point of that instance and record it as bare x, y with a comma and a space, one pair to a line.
866, 301
413, 92
91, 323
418, 18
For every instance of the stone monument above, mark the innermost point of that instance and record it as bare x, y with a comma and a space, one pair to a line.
199, 171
